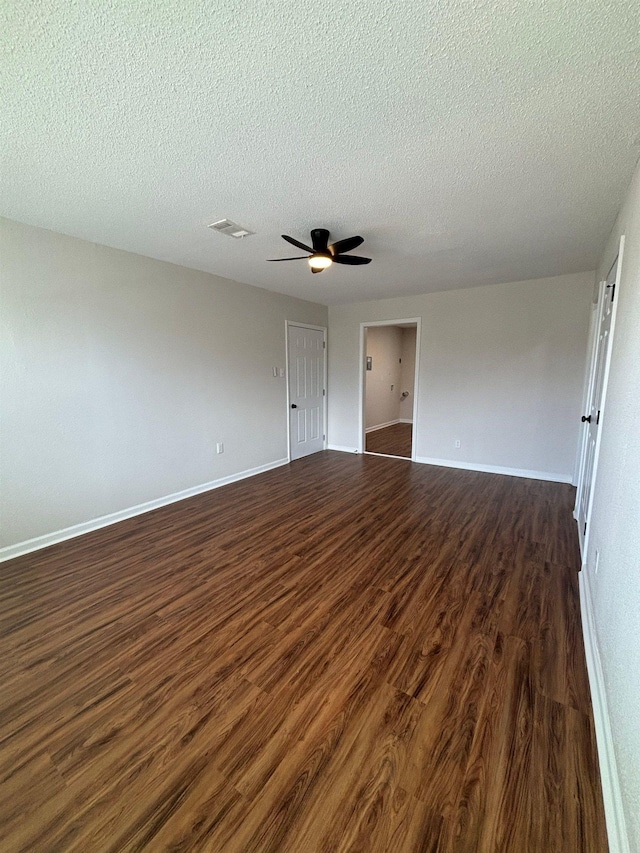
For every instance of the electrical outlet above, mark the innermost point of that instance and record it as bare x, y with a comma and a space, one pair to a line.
456, 443
282, 373
596, 561
219, 447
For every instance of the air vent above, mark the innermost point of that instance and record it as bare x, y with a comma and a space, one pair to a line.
230, 229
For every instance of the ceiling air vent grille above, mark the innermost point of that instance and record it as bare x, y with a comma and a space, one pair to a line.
230, 229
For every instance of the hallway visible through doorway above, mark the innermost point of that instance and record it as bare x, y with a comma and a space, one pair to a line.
389, 369
393, 440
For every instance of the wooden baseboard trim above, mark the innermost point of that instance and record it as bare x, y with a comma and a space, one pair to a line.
35, 544
613, 806
496, 469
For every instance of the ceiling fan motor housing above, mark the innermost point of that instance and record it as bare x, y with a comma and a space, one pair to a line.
320, 240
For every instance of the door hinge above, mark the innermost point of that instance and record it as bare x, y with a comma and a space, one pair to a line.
324, 344
598, 418
323, 392
613, 291
585, 529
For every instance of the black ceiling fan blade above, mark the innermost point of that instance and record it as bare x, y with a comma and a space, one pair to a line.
320, 239
296, 243
353, 260
314, 271
299, 258
346, 245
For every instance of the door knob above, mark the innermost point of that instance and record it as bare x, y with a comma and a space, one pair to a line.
293, 406
586, 419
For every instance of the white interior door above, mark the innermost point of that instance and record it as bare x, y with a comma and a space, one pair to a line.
595, 402
306, 350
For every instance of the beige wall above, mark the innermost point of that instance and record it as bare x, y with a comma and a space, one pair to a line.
615, 520
120, 374
384, 345
501, 370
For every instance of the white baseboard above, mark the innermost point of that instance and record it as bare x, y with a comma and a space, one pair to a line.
341, 448
17, 550
496, 469
382, 426
405, 421
613, 806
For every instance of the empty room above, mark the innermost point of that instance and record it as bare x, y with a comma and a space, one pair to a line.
319, 446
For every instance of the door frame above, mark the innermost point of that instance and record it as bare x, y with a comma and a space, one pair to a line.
323, 329
583, 538
362, 440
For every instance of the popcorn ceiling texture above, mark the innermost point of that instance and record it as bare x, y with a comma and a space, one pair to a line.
469, 141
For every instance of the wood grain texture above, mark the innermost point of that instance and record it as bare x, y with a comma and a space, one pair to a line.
394, 440
351, 653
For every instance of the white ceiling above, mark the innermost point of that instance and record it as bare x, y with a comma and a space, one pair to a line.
468, 141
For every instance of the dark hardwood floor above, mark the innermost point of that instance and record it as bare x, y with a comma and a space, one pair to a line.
394, 440
349, 653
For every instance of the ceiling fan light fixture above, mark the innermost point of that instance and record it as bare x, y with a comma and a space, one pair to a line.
320, 261
321, 254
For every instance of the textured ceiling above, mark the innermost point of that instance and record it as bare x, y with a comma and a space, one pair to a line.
468, 141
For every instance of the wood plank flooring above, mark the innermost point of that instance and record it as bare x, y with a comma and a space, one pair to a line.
350, 653
394, 440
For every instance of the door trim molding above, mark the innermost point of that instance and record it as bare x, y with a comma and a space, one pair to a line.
611, 794
362, 379
323, 329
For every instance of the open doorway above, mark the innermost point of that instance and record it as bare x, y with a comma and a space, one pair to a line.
388, 384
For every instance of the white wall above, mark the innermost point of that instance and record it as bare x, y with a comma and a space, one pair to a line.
615, 519
407, 378
384, 345
120, 374
501, 369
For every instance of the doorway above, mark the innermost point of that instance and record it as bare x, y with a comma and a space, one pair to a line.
306, 388
595, 398
388, 385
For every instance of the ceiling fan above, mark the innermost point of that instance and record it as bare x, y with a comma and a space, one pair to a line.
322, 254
